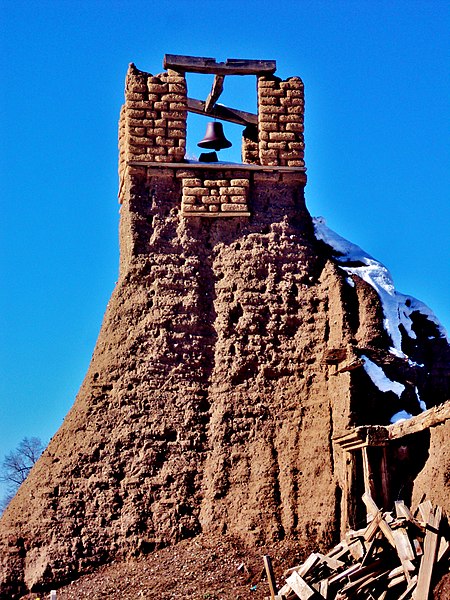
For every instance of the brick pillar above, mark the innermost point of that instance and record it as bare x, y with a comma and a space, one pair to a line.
155, 116
280, 121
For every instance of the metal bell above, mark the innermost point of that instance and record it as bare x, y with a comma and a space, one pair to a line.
214, 137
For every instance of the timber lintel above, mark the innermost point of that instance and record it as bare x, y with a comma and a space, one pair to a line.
232, 66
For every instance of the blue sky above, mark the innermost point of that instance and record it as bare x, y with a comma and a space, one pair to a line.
377, 97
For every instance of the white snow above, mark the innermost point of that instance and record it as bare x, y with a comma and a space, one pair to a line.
402, 415
397, 308
380, 379
422, 404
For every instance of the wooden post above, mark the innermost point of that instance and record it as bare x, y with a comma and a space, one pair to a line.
385, 483
270, 576
369, 487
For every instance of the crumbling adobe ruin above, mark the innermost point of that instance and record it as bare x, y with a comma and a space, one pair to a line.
229, 359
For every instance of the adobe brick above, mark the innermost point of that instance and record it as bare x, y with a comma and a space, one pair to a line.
193, 182
281, 136
157, 88
234, 207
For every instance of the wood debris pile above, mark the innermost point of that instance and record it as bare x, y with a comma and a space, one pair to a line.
393, 558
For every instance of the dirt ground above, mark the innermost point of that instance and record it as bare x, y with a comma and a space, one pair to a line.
200, 569
203, 568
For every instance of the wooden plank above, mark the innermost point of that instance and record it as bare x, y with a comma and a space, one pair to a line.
270, 576
357, 549
429, 555
216, 90
344, 574
219, 166
224, 113
444, 550
425, 509
401, 510
300, 587
324, 588
373, 527
412, 584
304, 568
372, 509
232, 66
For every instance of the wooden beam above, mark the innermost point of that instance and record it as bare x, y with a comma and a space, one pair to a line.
430, 418
429, 555
380, 435
232, 66
270, 576
216, 90
222, 112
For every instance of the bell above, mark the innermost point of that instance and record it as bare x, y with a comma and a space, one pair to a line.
214, 137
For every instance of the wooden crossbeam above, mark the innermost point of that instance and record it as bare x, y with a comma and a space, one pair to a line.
232, 66
380, 435
216, 90
222, 112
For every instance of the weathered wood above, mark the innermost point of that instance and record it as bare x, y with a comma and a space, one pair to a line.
344, 574
385, 478
365, 435
401, 510
373, 527
303, 590
369, 485
324, 588
216, 90
444, 550
224, 113
372, 509
232, 66
270, 576
380, 435
412, 584
430, 418
304, 568
300, 171
425, 509
429, 555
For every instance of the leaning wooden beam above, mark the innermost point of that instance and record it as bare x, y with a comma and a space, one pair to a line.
216, 90
232, 66
270, 576
429, 555
222, 112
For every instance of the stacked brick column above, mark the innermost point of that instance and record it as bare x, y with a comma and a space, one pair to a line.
155, 116
281, 121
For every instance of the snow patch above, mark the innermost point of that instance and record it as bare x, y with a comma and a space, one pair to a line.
422, 404
402, 415
380, 379
397, 308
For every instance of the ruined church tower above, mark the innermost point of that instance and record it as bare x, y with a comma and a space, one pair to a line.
219, 379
